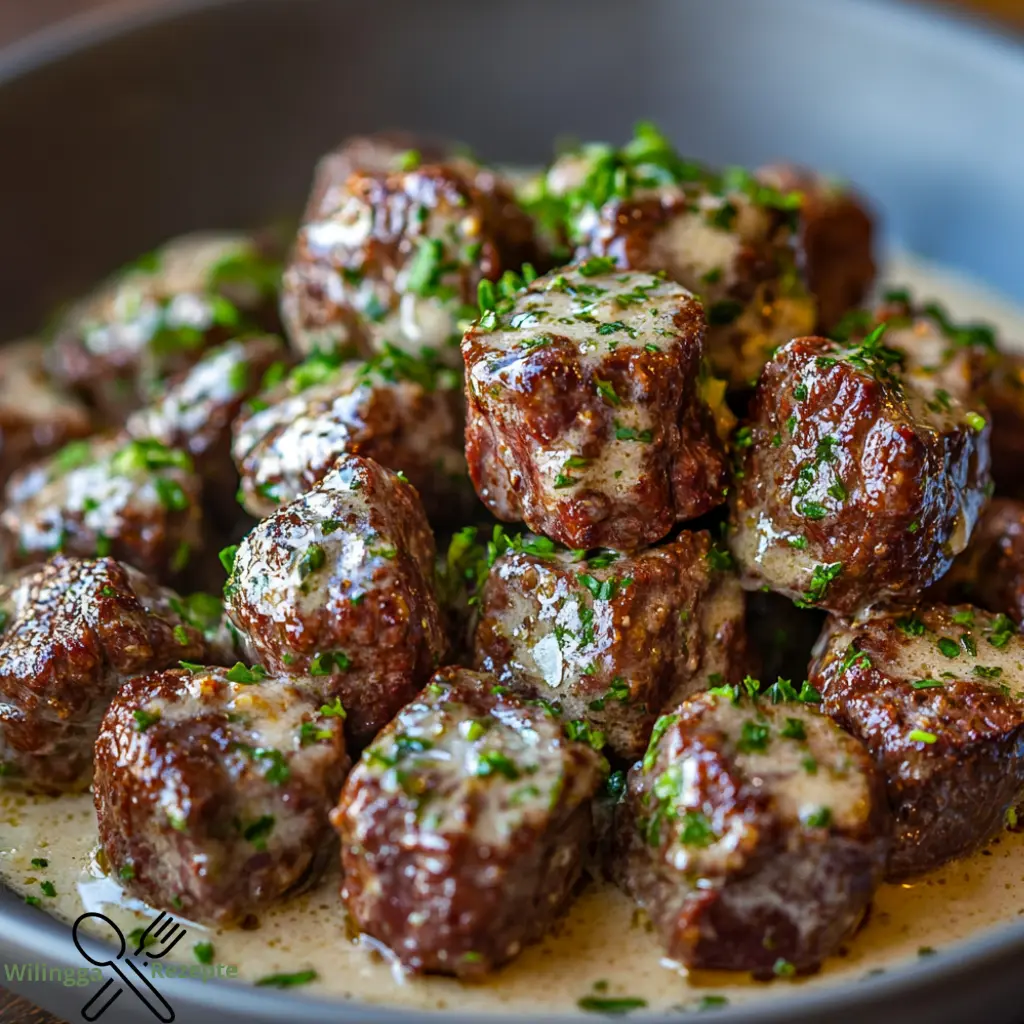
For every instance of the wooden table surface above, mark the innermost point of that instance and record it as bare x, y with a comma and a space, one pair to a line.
21, 17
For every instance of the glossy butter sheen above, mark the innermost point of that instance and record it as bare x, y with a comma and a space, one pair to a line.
937, 910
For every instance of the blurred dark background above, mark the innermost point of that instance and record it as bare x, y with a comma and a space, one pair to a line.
20, 17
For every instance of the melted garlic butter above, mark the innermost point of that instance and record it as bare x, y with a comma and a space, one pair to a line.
599, 939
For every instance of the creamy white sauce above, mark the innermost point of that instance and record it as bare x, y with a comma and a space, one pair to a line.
601, 939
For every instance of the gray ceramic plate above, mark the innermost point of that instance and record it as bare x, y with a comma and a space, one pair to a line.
115, 134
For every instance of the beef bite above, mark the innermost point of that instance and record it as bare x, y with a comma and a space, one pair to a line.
612, 639
864, 469
403, 412
726, 236
990, 572
71, 633
590, 415
936, 694
753, 834
212, 794
154, 319
835, 238
339, 584
376, 153
36, 416
134, 499
397, 256
463, 828
195, 414
1004, 396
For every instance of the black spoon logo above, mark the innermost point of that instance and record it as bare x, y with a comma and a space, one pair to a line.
164, 933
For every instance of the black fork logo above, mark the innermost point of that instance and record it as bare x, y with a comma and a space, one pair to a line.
162, 935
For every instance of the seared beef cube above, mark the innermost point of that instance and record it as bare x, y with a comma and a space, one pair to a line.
863, 475
196, 413
590, 416
36, 418
71, 633
213, 789
727, 237
396, 257
613, 640
1004, 396
836, 239
402, 412
339, 584
990, 572
937, 696
133, 499
464, 826
155, 318
753, 834
378, 153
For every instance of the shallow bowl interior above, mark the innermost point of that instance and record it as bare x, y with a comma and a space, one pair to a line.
118, 134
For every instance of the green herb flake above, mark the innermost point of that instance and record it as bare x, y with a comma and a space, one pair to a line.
287, 980
144, 719
203, 952
611, 1007
240, 673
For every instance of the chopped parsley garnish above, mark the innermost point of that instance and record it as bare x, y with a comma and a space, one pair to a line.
911, 625
950, 648
287, 980
603, 590
821, 818
258, 832
227, 558
40, 862
585, 733
494, 762
696, 829
927, 684
793, 730
597, 265
203, 952
611, 1007
720, 558
920, 736
606, 390
661, 726
275, 769
987, 671
144, 719
1000, 631
334, 709
325, 663
754, 737
240, 673
313, 559
821, 578
623, 433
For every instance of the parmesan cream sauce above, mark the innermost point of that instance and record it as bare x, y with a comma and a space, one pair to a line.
601, 938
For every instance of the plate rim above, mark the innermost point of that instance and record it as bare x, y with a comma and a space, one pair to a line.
29, 933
